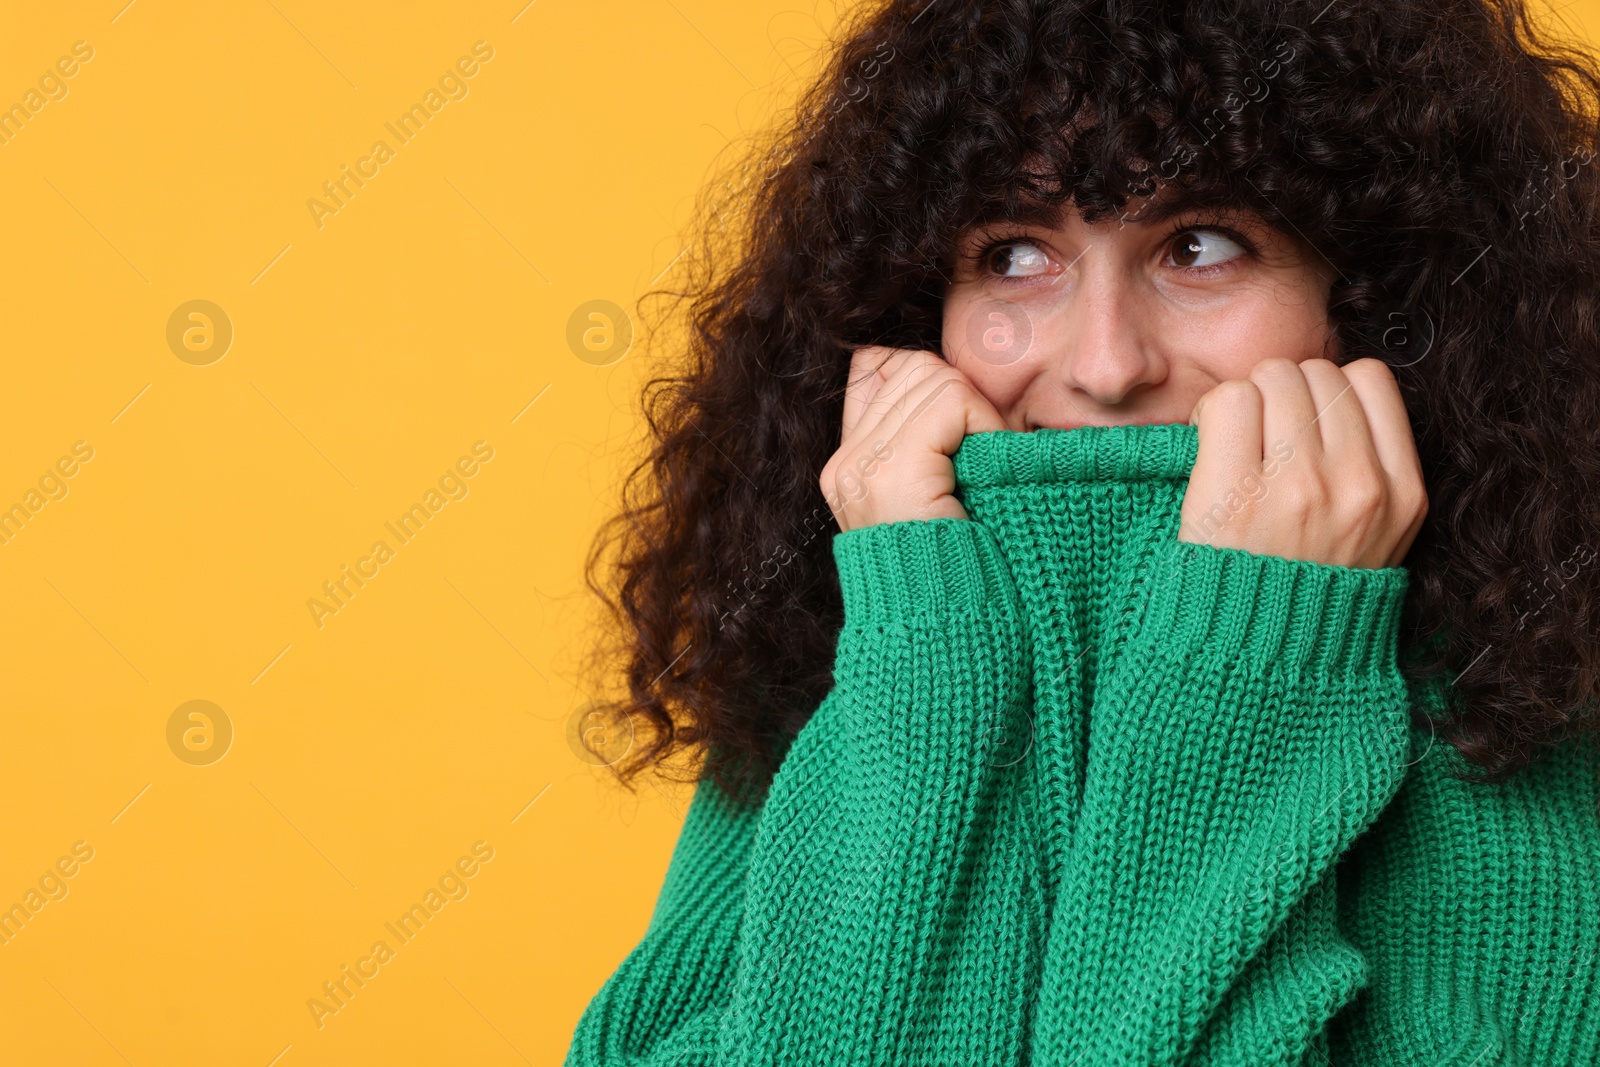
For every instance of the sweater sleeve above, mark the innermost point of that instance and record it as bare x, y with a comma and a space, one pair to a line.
661, 1005
820, 929
1253, 724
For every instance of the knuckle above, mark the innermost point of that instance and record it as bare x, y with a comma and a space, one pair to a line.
1273, 368
880, 359
862, 355
830, 482
1369, 367
1234, 394
1416, 503
1306, 496
1366, 496
1236, 391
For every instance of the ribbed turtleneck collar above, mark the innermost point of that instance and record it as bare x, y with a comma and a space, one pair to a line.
1162, 452
1078, 512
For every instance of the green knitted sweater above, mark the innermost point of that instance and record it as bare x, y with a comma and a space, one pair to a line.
1083, 794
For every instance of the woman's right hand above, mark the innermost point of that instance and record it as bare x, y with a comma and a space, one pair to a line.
905, 413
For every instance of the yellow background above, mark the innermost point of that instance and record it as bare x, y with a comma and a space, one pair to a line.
430, 312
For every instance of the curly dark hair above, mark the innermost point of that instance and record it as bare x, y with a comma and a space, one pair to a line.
1435, 152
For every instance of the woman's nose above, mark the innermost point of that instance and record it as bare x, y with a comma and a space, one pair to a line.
1106, 350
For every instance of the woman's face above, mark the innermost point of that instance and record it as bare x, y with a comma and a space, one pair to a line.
1064, 324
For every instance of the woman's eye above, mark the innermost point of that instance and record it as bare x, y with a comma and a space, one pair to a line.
1203, 248
1018, 259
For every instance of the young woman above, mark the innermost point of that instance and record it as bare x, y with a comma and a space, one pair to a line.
1203, 669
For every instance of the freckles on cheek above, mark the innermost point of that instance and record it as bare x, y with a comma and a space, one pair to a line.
1229, 345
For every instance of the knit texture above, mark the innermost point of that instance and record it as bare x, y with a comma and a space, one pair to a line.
1083, 794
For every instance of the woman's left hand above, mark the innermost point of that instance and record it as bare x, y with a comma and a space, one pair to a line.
1307, 461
